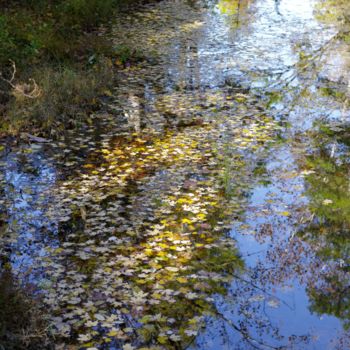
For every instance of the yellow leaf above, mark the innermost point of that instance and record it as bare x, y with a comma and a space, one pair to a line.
201, 216
113, 333
107, 92
88, 166
162, 340
182, 280
141, 281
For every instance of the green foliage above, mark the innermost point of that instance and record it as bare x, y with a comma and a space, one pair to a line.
31, 29
334, 11
25, 41
328, 91
7, 45
328, 182
126, 54
328, 189
274, 98
85, 14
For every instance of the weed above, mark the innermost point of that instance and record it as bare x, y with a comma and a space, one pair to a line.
126, 55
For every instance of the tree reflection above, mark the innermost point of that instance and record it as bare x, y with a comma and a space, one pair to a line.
329, 192
236, 10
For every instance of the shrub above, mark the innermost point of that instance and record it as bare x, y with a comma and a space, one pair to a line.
19, 39
85, 14
29, 29
7, 43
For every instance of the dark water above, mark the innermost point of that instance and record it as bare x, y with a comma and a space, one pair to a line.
223, 221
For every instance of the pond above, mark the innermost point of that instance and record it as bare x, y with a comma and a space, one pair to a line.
208, 205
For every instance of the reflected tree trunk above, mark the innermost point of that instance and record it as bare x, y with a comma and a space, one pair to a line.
134, 112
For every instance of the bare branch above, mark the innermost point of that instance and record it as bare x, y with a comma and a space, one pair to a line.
31, 90
255, 343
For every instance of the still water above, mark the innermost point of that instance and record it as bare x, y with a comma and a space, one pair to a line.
208, 207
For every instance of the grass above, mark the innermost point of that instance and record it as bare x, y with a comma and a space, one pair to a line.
60, 44
68, 96
22, 323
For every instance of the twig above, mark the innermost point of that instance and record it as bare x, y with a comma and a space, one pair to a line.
317, 54
21, 88
263, 290
252, 341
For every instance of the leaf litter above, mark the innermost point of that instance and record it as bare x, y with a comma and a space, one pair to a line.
140, 213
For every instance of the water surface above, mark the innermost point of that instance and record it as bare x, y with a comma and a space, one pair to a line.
208, 208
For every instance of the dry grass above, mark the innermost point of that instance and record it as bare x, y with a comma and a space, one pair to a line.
22, 323
67, 99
